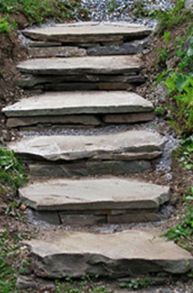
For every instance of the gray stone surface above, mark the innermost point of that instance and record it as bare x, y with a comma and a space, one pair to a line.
94, 194
88, 32
128, 118
69, 103
82, 65
87, 168
128, 145
76, 254
85, 120
189, 4
80, 82
117, 49
41, 52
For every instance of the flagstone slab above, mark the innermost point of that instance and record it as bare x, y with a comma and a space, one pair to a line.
128, 145
88, 32
68, 103
129, 253
82, 65
94, 194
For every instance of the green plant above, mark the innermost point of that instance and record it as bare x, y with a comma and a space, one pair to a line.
173, 17
160, 111
112, 5
5, 27
11, 170
136, 284
185, 152
163, 55
180, 89
100, 289
182, 233
139, 9
38, 11
7, 272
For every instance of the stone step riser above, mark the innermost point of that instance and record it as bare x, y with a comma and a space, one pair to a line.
45, 50
87, 168
78, 120
54, 85
80, 219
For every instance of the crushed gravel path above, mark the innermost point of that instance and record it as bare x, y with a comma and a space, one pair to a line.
122, 10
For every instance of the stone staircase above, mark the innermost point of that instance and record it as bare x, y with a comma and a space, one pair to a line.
81, 76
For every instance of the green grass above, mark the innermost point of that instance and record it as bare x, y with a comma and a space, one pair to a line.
136, 284
7, 272
39, 11
175, 58
5, 26
12, 173
82, 286
182, 233
185, 153
174, 17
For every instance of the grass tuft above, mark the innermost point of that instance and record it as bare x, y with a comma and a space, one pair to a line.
12, 173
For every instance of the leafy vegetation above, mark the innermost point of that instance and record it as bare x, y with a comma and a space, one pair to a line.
182, 233
180, 89
174, 17
38, 11
136, 284
112, 5
139, 9
186, 153
7, 272
5, 26
12, 173
83, 286
175, 58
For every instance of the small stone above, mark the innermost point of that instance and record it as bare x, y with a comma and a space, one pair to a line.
189, 4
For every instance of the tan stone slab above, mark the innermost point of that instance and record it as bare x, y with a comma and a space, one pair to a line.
132, 252
77, 120
128, 118
42, 52
67, 103
93, 194
81, 65
88, 32
128, 145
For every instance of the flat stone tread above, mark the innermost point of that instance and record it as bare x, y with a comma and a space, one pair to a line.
131, 244
104, 146
92, 194
83, 102
76, 65
87, 29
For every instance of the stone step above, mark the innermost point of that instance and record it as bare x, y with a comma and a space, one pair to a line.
88, 32
92, 201
87, 73
60, 107
130, 253
107, 65
90, 154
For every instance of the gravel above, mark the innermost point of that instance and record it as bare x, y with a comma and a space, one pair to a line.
121, 10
